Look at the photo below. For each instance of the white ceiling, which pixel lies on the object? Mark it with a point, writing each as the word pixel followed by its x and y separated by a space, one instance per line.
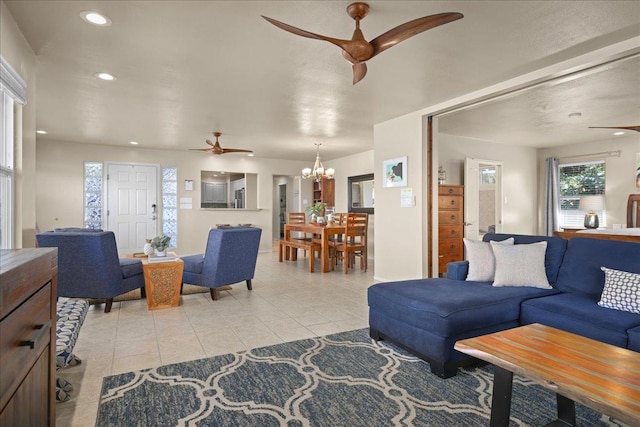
pixel 187 68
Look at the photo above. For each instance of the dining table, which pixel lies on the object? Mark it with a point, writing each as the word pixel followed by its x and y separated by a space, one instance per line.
pixel 323 230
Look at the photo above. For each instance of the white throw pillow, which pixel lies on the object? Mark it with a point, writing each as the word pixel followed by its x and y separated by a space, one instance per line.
pixel 482 263
pixel 621 290
pixel 520 265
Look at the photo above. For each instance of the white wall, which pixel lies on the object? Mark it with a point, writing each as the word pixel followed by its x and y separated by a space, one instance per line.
pixel 620 172
pixel 519 177
pixel 400 232
pixel 17 52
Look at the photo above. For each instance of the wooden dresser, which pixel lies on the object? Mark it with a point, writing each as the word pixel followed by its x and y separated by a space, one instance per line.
pixel 450 225
pixel 28 280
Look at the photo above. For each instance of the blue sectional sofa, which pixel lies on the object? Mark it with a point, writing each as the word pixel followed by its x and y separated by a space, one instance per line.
pixel 428 316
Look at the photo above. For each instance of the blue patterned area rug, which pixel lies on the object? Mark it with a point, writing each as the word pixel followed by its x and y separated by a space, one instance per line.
pixel 343 379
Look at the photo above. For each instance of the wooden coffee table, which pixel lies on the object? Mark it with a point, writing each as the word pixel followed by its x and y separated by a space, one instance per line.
pixel 598 375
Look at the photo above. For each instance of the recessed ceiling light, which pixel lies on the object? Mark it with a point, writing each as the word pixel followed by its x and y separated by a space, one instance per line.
pixel 618 133
pixel 95 18
pixel 41 132
pixel 251 155
pixel 105 76
pixel 575 115
pixel 133 142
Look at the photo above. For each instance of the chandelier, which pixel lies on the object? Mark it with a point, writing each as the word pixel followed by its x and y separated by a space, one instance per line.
pixel 318 170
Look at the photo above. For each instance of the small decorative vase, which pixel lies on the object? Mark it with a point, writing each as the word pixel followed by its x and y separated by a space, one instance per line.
pixel 314 218
pixel 148 249
pixel 161 253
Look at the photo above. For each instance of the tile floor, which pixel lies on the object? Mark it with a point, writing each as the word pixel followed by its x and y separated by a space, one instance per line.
pixel 287 303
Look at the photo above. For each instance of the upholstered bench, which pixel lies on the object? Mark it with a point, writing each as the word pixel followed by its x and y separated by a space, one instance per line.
pixel 71 313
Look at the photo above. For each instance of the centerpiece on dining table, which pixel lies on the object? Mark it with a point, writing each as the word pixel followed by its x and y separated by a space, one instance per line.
pixel 316 213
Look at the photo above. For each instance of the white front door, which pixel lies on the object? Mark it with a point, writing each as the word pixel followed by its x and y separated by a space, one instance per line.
pixel 482 197
pixel 132 204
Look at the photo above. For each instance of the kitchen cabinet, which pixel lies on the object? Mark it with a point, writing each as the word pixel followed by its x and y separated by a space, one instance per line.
pixel 214 192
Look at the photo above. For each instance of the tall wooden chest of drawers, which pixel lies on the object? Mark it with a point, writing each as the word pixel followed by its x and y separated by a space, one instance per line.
pixel 28 280
pixel 450 225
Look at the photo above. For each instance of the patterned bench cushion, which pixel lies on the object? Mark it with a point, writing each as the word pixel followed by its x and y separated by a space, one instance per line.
pixel 70 316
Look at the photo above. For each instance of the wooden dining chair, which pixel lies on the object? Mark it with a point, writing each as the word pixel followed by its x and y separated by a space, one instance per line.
pixel 298 218
pixel 354 242
pixel 338 218
pixel 633 211
pixel 362 220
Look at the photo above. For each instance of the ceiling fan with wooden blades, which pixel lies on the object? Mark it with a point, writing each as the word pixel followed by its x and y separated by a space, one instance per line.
pixel 217 149
pixel 635 128
pixel 358 50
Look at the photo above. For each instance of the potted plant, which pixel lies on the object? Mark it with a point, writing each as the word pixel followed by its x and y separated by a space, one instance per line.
pixel 160 244
pixel 316 211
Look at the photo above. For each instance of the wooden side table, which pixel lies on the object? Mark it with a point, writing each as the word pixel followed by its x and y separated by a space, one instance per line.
pixel 162 281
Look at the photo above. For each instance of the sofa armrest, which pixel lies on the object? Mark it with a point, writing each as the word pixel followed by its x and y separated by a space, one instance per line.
pixel 457 270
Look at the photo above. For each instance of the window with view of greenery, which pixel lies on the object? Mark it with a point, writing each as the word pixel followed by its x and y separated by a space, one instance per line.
pixel 576 180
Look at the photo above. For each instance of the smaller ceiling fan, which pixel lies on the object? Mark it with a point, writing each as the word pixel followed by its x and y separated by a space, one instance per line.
pixel 636 128
pixel 217 149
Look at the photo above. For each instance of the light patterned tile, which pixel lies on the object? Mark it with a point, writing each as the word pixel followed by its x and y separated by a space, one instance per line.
pixel 261 340
pixel 180 356
pixel 295 334
pixel 134 363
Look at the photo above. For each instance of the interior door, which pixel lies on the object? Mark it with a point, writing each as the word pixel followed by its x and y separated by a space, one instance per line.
pixel 132 204
pixel 482 197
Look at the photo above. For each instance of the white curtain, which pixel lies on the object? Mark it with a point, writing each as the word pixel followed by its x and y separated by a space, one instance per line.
pixel 552 197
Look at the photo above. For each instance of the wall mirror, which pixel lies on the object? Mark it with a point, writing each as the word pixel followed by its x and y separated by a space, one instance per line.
pixel 228 190
pixel 361 193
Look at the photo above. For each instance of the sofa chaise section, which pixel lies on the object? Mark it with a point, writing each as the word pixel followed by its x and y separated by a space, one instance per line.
pixel 429 316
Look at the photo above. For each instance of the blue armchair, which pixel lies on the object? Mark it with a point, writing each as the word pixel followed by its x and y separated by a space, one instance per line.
pixel 89 267
pixel 230 257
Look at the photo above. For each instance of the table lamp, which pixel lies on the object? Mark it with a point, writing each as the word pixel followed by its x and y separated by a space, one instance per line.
pixel 591 204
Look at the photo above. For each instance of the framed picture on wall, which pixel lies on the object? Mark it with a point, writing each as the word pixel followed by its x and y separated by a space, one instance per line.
pixel 395 172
